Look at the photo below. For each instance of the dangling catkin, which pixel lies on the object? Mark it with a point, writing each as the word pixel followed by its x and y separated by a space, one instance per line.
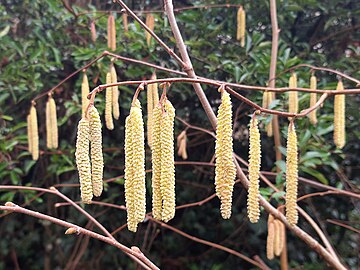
pixel 51 124
pixel 125 22
pixel 254 171
pixel 293 95
pixel 34 133
pixel 241 25
pixel 150 22
pixel 93 31
pixel 111 32
pixel 270 238
pixel 152 101
pixel 115 93
pixel 84 93
pixel 291 175
pixel 97 162
pixel 48 125
pixel 339 118
pixel 135 188
pixel 181 143
pixel 267 99
pixel 313 99
pixel 83 160
pixel 225 170
pixel 29 134
pixel 108 104
pixel 277 237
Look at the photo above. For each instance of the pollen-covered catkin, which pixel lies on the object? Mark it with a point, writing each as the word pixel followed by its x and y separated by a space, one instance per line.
pixel 29 133
pixel 34 133
pixel 291 175
pixel 115 93
pixel 277 237
pixel 270 238
pixel 241 25
pixel 150 22
pixel 111 33
pixel 313 99
pixel 84 93
pixel 51 124
pixel 135 188
pixel 108 104
pixel 48 126
pixel 167 182
pixel 254 171
pixel 225 170
pixel 97 162
pixel 125 22
pixel 83 160
pixel 339 117
pixel 293 95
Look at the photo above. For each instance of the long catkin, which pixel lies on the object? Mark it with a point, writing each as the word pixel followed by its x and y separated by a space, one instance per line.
pixel 108 104
pixel 97 162
pixel 152 101
pixel 254 171
pixel 270 238
pixel 48 126
pixel 34 133
pixel 339 117
pixel 291 175
pixel 51 124
pixel 84 93
pixel 313 99
pixel 293 95
pixel 111 32
pixel 150 22
pixel 83 160
pixel 225 170
pixel 115 93
pixel 277 237
pixel 135 188
pixel 29 133
pixel 241 25
pixel 267 99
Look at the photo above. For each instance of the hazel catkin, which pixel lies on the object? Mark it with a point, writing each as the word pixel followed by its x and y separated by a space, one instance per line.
pixel 115 93
pixel 84 93
pixel 254 171
pixel 150 22
pixel 225 170
pixel 278 237
pixel 241 26
pixel 108 104
pixel 152 101
pixel 111 33
pixel 125 22
pixel 291 175
pixel 270 238
pixel 51 124
pixel 34 133
pixel 29 134
pixel 313 99
pixel 293 95
pixel 181 143
pixel 339 117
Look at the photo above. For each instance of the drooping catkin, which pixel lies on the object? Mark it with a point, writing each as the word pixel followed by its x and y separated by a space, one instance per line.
pixel 29 134
pixel 97 162
pixel 279 237
pixel 150 22
pixel 93 31
pixel 267 100
pixel 291 175
pixel 48 126
pixel 313 99
pixel 181 143
pixel 125 22
pixel 83 160
pixel 135 188
pixel 254 171
pixel 115 93
pixel 111 33
pixel 241 26
pixel 225 170
pixel 108 104
pixel 152 101
pixel 34 133
pixel 293 95
pixel 84 93
pixel 51 124
pixel 339 117
pixel 270 238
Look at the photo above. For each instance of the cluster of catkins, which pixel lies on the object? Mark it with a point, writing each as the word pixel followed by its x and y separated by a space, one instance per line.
pixel 275 238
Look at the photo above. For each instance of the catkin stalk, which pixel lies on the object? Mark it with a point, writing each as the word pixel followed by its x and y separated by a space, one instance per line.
pixel 108 104
pixel 293 95
pixel 225 170
pixel 97 162
pixel 150 22
pixel 34 133
pixel 125 22
pixel 339 117
pixel 270 238
pixel 291 175
pixel 29 133
pixel 254 171
pixel 313 99
pixel 115 93
pixel 111 32
pixel 83 160
pixel 84 93
pixel 135 188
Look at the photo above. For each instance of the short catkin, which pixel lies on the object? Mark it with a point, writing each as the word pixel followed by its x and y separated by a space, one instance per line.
pixel 108 104
pixel 48 125
pixel 111 33
pixel 125 22
pixel 29 133
pixel 93 31
pixel 291 175
pixel 293 95
pixel 135 188
pixel 254 171
pixel 181 143
pixel 339 117
pixel 34 133
pixel 83 160
pixel 225 170
pixel 313 99
pixel 51 124
pixel 97 162
pixel 270 238
pixel 84 93
pixel 115 93
pixel 241 26
pixel 150 22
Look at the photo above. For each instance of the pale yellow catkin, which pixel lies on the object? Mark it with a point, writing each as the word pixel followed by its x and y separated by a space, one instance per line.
pixel 152 101
pixel 115 93
pixel 53 120
pixel 111 33
pixel 293 95
pixel 339 117
pixel 225 170
pixel 97 162
pixel 150 22
pixel 270 238
pixel 29 134
pixel 291 175
pixel 34 133
pixel 313 99
pixel 241 26
pixel 83 160
pixel 254 171
pixel 135 189
pixel 84 93
pixel 181 143
pixel 277 237
pixel 267 100
pixel 125 22
pixel 108 104
pixel 48 125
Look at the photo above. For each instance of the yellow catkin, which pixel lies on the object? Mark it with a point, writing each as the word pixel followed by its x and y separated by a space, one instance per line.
pixel 277 237
pixel 181 142
pixel 125 22
pixel 267 99
pixel 115 93
pixel 53 120
pixel 313 99
pixel 135 188
pixel 48 126
pixel 291 175
pixel 97 162
pixel 83 160
pixel 34 133
pixel 84 93
pixel 241 25
pixel 339 118
pixel 293 95
pixel 108 104
pixel 270 238
pixel 225 170
pixel 111 33
pixel 167 180
pixel 150 22
pixel 29 134
pixel 152 101
pixel 93 31
pixel 254 171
